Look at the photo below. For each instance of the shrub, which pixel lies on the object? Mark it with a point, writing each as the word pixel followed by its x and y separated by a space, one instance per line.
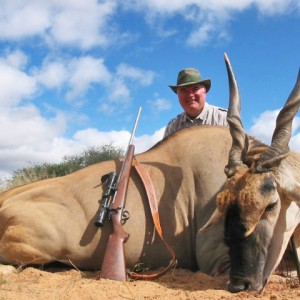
pixel 39 171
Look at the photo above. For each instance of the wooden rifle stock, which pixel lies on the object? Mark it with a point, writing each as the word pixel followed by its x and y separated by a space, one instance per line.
pixel 114 266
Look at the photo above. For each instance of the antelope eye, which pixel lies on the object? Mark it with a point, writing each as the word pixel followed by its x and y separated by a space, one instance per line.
pixel 271 206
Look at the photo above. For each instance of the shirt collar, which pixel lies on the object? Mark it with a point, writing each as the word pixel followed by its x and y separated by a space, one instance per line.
pixel 200 116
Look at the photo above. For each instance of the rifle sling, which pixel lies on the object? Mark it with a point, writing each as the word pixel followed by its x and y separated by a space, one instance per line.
pixel 150 191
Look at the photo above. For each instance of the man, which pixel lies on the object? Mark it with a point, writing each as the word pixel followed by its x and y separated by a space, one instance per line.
pixel 191 91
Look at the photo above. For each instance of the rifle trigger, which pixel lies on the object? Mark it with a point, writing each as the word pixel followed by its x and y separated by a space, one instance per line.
pixel 125 216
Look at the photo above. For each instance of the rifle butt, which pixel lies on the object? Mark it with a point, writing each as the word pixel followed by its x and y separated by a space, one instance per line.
pixel 114 266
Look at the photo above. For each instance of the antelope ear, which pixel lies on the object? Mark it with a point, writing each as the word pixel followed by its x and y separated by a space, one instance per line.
pixel 216 216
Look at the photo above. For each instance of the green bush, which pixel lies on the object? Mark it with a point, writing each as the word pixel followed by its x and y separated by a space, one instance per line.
pixel 72 163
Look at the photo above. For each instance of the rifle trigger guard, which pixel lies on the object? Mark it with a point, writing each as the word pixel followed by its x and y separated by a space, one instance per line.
pixel 125 216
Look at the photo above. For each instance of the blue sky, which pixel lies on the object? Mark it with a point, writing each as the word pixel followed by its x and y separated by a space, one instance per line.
pixel 73 73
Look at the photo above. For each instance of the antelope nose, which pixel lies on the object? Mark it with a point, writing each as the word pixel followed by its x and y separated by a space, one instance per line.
pixel 235 288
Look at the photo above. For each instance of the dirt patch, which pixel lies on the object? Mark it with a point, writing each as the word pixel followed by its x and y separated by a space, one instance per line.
pixel 33 283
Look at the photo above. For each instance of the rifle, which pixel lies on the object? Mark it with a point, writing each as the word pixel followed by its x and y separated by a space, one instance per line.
pixel 113 266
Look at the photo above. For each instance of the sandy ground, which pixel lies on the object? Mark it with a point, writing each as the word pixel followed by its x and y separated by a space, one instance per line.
pixel 32 283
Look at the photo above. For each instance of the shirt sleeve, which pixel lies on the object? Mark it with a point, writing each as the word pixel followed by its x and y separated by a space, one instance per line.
pixel 169 129
pixel 173 125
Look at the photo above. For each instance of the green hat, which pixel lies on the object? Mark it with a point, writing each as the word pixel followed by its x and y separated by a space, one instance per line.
pixel 188 77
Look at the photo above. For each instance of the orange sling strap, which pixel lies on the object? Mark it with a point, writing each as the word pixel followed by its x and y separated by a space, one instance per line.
pixel 150 191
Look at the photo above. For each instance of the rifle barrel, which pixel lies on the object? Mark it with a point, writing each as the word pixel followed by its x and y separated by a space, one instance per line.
pixel 135 125
pixel 130 141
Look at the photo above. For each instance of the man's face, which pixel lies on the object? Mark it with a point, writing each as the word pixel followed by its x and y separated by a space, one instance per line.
pixel 192 98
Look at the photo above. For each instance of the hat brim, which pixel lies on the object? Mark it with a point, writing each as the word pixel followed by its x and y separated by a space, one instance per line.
pixel 205 82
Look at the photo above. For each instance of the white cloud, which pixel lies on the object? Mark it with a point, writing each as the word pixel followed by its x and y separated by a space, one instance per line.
pixel 265 124
pixel 74 76
pixel 93 137
pixel 295 143
pixel 80 23
pixel 144 77
pixel 81 73
pixel 53 148
pixel 25 125
pixel 51 75
pixel 16 59
pixel 39 140
pixel 175 6
pixel 118 86
pixel 16 85
pixel 160 104
pixel 27 137
pixel 201 35
pixel 14 13
pixel 84 72
pixel 209 20
pixel 118 91
pixel 145 142
pixel 273 7
pixel 86 24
